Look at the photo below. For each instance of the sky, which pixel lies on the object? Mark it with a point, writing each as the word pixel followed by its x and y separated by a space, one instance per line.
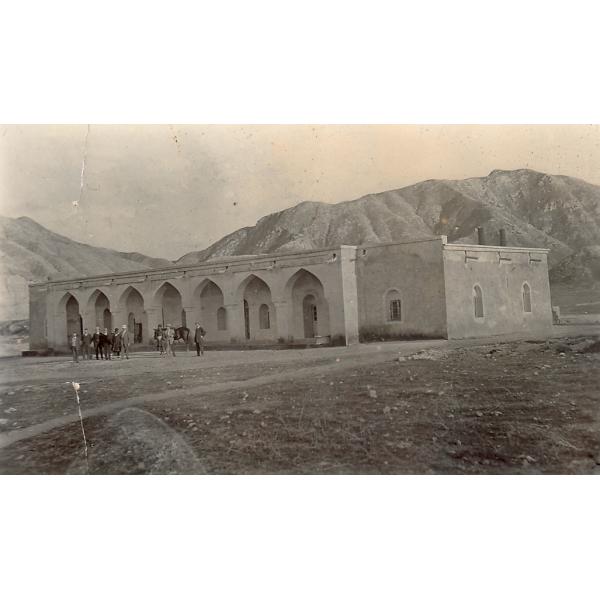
pixel 165 190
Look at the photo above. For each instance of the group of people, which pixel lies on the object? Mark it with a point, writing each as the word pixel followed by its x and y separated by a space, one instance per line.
pixel 105 343
pixel 166 336
pixel 165 339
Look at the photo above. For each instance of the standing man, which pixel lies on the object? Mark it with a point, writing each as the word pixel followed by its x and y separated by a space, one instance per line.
pixel 97 341
pixel 199 339
pixel 125 342
pixel 86 340
pixel 117 342
pixel 74 347
pixel 171 339
pixel 108 343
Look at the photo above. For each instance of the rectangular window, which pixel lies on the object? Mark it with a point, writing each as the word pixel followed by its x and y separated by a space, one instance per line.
pixel 395 310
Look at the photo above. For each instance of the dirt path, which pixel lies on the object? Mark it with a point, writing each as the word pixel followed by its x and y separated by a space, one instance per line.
pixel 348 362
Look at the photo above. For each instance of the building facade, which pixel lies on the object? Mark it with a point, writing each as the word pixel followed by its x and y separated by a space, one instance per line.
pixel 421 288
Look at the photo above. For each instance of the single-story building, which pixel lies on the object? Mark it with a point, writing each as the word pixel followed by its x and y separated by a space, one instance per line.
pixel 341 295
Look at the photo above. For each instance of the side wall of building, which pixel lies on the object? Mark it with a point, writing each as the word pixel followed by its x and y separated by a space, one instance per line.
pixel 411 273
pixel 500 274
pixel 38 319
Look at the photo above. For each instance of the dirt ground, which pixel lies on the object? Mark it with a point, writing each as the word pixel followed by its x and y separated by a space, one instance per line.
pixel 397 407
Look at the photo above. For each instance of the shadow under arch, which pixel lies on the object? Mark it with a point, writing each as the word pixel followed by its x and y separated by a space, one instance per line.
pixel 254 295
pixel 131 303
pixel 310 309
pixel 209 310
pixel 170 301
pixel 99 303
pixel 68 308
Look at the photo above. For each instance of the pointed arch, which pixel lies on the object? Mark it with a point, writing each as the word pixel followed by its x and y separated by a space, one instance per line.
pixel 478 302
pixel 170 300
pixel 132 306
pixel 69 315
pixel 205 284
pixel 251 279
pixel 207 300
pixel 98 304
pixel 310 309
pixel 301 273
pixel 122 302
pixel 256 302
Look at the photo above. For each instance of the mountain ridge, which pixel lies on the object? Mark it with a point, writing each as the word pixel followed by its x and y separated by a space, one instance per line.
pixel 501 200
pixel 29 252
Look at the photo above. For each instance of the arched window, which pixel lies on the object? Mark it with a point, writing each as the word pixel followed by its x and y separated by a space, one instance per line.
pixel 478 302
pixel 526 298
pixel 222 319
pixel 263 317
pixel 393 306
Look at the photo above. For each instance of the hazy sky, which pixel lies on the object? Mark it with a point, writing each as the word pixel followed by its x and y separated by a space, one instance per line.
pixel 166 190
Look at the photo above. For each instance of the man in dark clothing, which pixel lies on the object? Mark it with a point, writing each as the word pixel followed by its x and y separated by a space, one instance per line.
pixel 117 342
pixel 98 343
pixel 86 340
pixel 199 339
pixel 109 338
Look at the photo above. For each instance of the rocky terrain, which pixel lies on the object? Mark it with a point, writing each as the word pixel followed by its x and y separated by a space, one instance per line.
pixel 536 210
pixel 426 407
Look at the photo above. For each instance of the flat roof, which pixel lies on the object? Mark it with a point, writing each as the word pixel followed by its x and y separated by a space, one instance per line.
pixel 253 258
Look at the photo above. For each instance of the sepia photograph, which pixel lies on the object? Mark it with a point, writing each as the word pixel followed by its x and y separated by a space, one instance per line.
pixel 309 299
pixel 299 300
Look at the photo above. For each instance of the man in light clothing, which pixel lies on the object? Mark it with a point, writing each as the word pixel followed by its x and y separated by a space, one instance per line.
pixel 125 342
pixel 75 347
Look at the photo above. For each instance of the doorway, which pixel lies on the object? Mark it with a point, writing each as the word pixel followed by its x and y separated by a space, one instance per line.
pixel 247 319
pixel 311 317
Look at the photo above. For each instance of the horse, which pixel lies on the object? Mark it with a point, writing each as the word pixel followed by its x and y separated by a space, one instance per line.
pixel 183 334
pixel 180 333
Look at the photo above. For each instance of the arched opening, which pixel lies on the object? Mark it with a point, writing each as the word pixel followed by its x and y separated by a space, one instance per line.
pixel 264 320
pixel 132 303
pixel 222 319
pixel 393 306
pixel 526 298
pixel 74 322
pixel 169 299
pixel 208 301
pixel 310 310
pixel 310 313
pixel 246 319
pixel 478 302
pixel 256 294
pixel 99 306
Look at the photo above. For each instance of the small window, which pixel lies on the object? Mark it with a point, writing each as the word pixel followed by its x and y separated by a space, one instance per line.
pixel 526 298
pixel 222 319
pixel 478 302
pixel 395 310
pixel 263 317
pixel 393 306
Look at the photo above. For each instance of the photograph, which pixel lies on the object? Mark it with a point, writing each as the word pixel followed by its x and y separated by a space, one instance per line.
pixel 300 299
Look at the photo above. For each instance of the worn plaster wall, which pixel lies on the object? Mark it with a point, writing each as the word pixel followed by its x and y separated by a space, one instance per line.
pixel 415 270
pixel 500 272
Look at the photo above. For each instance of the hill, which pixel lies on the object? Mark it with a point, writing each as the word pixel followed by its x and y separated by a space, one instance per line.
pixel 536 210
pixel 30 252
